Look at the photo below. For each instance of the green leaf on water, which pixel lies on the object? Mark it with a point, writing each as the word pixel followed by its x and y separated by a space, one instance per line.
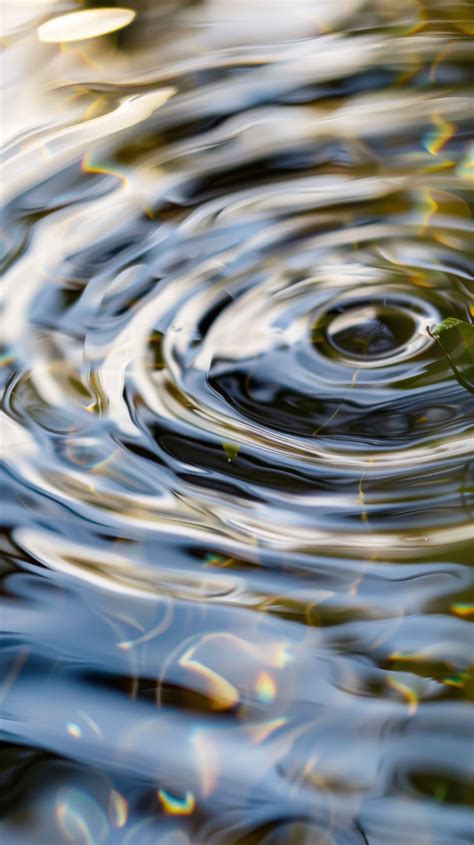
pixel 456 340
pixel 466 330
pixel 231 450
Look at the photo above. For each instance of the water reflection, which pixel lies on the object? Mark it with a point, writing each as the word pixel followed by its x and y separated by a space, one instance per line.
pixel 237 486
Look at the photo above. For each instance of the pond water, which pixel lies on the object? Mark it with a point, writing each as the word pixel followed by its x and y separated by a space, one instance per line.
pixel 237 476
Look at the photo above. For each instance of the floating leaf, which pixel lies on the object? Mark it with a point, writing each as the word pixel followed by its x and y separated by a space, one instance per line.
pixel 456 339
pixel 231 450
pixel 466 330
pixel 90 23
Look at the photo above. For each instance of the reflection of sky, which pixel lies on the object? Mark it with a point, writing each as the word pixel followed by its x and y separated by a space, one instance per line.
pixel 236 588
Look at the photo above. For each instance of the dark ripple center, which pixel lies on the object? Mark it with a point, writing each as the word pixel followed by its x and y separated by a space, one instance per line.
pixel 371 331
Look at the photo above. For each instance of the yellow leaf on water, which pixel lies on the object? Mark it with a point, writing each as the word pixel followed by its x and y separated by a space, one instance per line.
pixel 90 23
pixel 231 450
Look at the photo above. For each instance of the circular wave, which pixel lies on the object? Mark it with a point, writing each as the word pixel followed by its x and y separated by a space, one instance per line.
pixel 237 458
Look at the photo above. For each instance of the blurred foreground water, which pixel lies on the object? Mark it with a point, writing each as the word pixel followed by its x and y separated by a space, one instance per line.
pixel 237 488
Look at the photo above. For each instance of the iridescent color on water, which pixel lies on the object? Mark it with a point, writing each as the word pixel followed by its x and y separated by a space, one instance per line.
pixel 237 478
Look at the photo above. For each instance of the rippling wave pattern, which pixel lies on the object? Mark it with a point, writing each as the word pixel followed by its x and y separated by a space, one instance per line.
pixel 237 478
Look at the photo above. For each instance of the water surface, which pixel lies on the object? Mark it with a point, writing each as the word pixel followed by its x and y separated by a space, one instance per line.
pixel 237 484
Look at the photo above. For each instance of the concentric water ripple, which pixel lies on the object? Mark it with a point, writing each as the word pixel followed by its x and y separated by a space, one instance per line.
pixel 238 480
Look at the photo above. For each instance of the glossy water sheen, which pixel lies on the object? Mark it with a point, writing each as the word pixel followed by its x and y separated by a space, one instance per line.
pixel 235 604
